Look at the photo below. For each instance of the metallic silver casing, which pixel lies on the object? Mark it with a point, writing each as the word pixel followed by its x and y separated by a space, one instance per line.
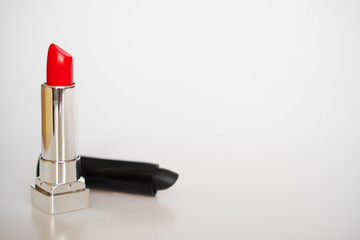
pixel 58 188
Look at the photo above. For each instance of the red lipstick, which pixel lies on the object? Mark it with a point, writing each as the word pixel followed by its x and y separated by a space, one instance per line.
pixel 59 187
pixel 59 67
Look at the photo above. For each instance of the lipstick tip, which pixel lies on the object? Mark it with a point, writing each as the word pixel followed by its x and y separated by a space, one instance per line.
pixel 55 47
pixel 59 67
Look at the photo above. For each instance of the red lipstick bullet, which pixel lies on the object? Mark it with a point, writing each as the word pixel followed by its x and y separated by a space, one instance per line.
pixel 59 67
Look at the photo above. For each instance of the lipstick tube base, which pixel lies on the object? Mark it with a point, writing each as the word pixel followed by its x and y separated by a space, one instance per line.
pixel 58 188
pixel 59 203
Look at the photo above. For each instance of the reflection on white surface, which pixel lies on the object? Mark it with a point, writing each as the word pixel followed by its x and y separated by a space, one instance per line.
pixel 128 208
pixel 59 227
pixel 116 210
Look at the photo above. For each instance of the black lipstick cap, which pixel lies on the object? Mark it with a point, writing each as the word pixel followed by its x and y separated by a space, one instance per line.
pixel 125 176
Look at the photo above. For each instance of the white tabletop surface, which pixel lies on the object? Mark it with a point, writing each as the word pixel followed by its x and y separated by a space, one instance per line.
pixel 256 104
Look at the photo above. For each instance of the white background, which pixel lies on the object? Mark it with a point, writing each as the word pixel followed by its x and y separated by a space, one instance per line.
pixel 254 103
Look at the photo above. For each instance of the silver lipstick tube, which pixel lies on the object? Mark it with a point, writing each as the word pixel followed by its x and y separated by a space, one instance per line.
pixel 58 123
pixel 58 188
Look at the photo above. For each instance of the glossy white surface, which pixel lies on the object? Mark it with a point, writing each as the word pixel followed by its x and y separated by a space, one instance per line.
pixel 255 104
